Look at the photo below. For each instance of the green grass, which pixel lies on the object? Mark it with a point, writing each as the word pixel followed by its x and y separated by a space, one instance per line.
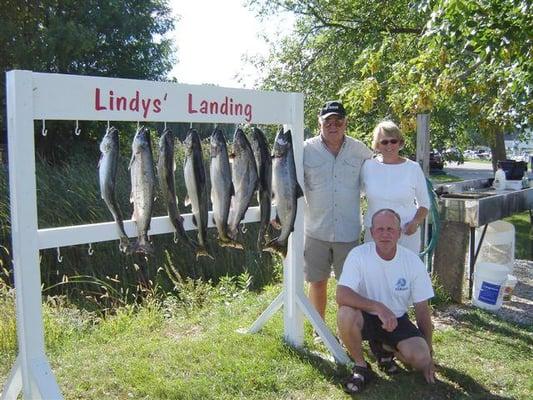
pixel 523 235
pixel 174 350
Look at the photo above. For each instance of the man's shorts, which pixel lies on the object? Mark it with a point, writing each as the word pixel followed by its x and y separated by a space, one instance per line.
pixel 321 256
pixel 372 330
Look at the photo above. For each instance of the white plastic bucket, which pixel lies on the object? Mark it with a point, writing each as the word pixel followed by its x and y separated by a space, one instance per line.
pixel 489 282
pixel 508 288
pixel 498 245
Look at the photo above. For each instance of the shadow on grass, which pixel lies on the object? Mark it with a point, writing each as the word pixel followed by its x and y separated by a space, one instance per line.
pixel 476 321
pixel 450 384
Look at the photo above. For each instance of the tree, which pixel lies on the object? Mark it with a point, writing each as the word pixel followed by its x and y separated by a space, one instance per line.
pixel 94 37
pixel 466 62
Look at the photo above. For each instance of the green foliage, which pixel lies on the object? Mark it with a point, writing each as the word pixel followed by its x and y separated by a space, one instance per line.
pixel 468 63
pixel 125 39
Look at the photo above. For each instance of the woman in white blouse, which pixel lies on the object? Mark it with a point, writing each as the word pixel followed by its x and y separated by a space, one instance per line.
pixel 395 182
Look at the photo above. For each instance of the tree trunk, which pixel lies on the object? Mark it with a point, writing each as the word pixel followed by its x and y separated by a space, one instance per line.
pixel 497 148
pixel 449 261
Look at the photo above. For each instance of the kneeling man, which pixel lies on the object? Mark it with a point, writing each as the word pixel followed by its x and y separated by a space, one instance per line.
pixel 379 281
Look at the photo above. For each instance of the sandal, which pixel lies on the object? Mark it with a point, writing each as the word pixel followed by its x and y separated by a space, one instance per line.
pixel 384 358
pixel 358 380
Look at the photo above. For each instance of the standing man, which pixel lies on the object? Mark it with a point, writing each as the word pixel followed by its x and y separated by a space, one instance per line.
pixel 332 165
pixel 380 281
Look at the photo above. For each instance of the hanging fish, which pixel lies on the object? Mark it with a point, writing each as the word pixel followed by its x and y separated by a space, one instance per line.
pixel 285 190
pixel 107 171
pixel 263 162
pixel 166 166
pixel 195 181
pixel 142 188
pixel 221 188
pixel 244 177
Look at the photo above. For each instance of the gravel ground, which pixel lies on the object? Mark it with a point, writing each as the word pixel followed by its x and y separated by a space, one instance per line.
pixel 519 309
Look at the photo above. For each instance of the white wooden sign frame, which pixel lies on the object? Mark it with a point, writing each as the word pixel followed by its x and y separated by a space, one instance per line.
pixel 40 96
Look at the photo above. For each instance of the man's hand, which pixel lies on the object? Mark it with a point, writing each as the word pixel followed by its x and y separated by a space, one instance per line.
pixel 387 317
pixel 429 372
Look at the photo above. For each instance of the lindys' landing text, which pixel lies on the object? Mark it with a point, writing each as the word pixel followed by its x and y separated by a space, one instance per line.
pixel 114 102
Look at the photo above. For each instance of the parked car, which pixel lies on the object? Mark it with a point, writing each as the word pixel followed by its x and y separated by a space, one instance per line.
pixel 454 155
pixel 469 153
pixel 484 154
pixel 436 161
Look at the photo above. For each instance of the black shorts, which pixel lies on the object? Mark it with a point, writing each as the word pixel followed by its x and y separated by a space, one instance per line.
pixel 372 330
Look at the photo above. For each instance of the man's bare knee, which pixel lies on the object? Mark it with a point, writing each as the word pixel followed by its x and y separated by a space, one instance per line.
pixel 347 317
pixel 415 352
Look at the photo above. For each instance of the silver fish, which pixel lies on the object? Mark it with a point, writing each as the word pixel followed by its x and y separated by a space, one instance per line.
pixel 107 171
pixel 263 162
pixel 142 188
pixel 244 177
pixel 285 190
pixel 166 166
pixel 195 181
pixel 221 188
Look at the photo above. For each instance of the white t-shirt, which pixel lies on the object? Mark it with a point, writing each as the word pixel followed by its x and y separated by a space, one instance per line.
pixel 401 187
pixel 397 283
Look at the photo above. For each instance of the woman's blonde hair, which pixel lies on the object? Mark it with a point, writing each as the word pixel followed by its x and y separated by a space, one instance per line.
pixel 388 129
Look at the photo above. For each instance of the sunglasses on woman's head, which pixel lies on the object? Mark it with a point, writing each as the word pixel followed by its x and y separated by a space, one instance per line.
pixel 385 142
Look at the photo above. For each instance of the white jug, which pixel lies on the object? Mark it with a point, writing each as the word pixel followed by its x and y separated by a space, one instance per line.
pixel 499 179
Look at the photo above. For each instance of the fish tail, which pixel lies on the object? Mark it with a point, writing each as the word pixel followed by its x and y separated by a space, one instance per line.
pixel 143 245
pixel 125 245
pixel 201 251
pixel 228 242
pixel 274 246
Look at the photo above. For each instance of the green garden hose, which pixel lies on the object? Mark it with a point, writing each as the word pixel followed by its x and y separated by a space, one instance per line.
pixel 434 220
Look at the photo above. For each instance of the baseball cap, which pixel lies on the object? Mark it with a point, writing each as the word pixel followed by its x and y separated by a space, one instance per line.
pixel 331 108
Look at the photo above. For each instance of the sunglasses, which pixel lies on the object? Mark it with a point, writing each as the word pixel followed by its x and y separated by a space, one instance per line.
pixel 385 142
pixel 333 121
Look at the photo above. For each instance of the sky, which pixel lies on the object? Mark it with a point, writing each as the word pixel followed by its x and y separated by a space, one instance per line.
pixel 211 36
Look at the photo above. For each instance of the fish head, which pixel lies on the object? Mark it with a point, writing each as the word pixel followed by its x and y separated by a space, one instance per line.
pixel 255 138
pixel 192 141
pixel 110 140
pixel 240 142
pixel 282 144
pixel 218 142
pixel 141 141
pixel 166 140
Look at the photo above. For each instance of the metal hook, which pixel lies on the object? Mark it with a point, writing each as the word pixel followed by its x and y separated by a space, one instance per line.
pixel 176 237
pixel 165 125
pixel 243 228
pixel 90 251
pixel 190 127
pixel 138 125
pixel 59 256
pixel 108 125
pixel 44 131
pixel 77 131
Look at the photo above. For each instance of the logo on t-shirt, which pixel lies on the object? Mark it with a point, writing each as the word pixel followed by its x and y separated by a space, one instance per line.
pixel 401 284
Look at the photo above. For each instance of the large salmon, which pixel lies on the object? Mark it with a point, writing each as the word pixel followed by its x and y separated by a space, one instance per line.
pixel 197 197
pixel 166 166
pixel 263 162
pixel 285 190
pixel 244 177
pixel 142 188
pixel 107 171
pixel 221 188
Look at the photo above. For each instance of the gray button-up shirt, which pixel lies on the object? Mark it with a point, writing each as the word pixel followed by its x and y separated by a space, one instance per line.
pixel 331 190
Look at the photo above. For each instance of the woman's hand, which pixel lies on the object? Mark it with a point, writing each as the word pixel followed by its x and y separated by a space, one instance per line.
pixel 410 227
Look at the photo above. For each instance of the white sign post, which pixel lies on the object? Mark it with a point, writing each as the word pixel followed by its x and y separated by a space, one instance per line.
pixel 39 96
